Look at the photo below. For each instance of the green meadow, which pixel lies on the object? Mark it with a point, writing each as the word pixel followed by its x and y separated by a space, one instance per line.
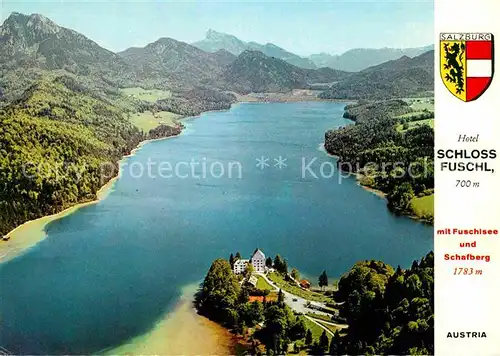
pixel 423 206
pixel 149 95
pixel 147 120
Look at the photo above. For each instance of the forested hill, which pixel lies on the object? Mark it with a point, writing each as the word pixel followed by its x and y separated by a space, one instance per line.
pixel 59 144
pixel 399 78
pixel 253 71
pixel 170 64
pixel 366 110
pixel 32 45
pixel 398 162
pixel 389 312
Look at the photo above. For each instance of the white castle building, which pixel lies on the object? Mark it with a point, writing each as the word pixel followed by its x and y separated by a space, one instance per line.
pixel 240 266
pixel 258 262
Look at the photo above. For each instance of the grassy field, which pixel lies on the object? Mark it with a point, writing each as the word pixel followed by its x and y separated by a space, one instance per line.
pixel 411 114
pixel 316 330
pixel 320 316
pixel 423 206
pixel 294 289
pixel 429 122
pixel 262 284
pixel 422 104
pixel 414 124
pixel 147 120
pixel 150 95
pixel 330 327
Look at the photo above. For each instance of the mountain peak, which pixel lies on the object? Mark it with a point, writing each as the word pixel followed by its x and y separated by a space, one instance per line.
pixel 42 24
pixel 15 17
pixel 250 53
pixel 20 25
pixel 215 35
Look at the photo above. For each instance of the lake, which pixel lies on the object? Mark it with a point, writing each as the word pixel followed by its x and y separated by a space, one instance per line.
pixel 253 176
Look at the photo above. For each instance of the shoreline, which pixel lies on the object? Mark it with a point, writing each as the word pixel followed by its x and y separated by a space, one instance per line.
pixel 173 333
pixel 301 95
pixel 377 192
pixel 30 233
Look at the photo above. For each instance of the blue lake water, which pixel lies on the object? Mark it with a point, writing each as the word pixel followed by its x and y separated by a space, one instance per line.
pixel 109 271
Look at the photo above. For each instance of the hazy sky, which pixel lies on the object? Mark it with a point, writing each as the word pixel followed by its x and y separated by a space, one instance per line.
pixel 304 27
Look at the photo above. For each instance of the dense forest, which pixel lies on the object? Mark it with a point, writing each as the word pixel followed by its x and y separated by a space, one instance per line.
pixel 195 101
pixel 387 311
pixel 59 144
pixel 366 110
pixel 60 141
pixel 398 162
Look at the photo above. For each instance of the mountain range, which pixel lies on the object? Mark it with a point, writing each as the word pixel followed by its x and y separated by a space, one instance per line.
pixel 215 41
pixel 351 61
pixel 398 78
pixel 33 46
pixel 171 64
pixel 253 71
pixel 358 59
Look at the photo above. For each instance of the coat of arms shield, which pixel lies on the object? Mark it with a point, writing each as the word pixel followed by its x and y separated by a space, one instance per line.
pixel 466 63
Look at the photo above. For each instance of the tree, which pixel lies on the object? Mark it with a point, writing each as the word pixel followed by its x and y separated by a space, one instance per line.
pixel 295 274
pixel 277 326
pixel 248 270
pixel 284 268
pixel 323 280
pixel 237 256
pixel 281 297
pixel 399 199
pixel 243 296
pixel 335 344
pixel 323 341
pixel 269 262
pixel 309 337
pixel 231 260
pixel 298 329
pixel 251 313
pixel 219 292
pixel 278 263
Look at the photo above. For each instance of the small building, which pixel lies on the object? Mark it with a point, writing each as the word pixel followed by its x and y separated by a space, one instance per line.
pixel 305 284
pixel 240 266
pixel 258 261
pixel 253 280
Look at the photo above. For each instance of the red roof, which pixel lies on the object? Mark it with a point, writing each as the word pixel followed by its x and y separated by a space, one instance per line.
pixel 305 282
pixel 257 298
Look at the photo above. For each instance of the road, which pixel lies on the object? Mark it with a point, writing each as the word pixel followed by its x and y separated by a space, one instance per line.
pixel 298 304
pixel 295 302
pixel 328 331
